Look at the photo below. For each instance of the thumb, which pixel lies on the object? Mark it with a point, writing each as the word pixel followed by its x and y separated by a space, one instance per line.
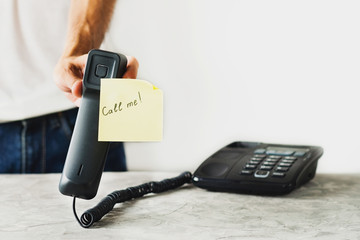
pixel 78 70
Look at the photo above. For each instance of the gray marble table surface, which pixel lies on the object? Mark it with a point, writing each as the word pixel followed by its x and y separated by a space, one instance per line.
pixel 328 207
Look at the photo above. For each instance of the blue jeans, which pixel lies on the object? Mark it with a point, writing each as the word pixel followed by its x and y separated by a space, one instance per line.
pixel 39 145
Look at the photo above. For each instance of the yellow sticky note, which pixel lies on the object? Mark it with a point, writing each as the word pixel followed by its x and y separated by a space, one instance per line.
pixel 130 110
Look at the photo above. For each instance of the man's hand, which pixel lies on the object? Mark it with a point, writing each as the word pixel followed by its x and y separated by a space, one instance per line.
pixel 69 72
pixel 68 75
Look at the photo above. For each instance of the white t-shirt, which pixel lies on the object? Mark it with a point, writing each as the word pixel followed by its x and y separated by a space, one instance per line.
pixel 32 37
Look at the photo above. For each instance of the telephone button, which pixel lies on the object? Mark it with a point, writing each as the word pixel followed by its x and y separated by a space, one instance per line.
pixel 280 152
pixel 266 167
pixel 287 161
pixel 299 153
pixel 261 174
pixel 271 160
pixel 284 164
pixel 279 174
pixel 253 162
pixel 260 151
pixel 269 163
pixel 250 166
pixel 282 169
pixel 101 70
pixel 246 172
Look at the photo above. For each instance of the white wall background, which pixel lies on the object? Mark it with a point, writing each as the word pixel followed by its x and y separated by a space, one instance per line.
pixel 271 71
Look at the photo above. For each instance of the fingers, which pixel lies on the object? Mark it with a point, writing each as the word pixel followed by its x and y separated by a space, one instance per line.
pixel 76 88
pixel 68 76
pixel 76 75
pixel 69 73
pixel 132 67
pixel 72 98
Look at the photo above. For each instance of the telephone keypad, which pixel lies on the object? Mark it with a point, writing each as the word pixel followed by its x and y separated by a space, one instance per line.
pixel 271 162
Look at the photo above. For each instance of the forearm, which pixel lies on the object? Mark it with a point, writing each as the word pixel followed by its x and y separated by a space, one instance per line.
pixel 88 22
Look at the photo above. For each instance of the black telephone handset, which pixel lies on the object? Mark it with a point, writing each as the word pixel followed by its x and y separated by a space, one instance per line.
pixel 258 168
pixel 86 156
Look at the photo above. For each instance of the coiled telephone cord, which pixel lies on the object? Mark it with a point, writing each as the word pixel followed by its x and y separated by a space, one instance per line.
pixel 89 217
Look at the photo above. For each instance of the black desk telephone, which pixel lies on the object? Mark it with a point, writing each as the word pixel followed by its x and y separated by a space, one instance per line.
pixel 258 168
pixel 245 167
